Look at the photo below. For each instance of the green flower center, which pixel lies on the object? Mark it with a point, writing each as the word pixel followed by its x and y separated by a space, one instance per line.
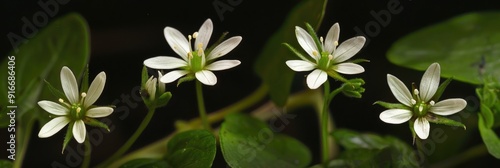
pixel 196 59
pixel 76 110
pixel 420 107
pixel 325 61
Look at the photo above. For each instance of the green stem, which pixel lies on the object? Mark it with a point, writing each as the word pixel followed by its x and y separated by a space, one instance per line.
pixel 87 153
pixel 201 105
pixel 324 123
pixel 24 138
pixel 131 140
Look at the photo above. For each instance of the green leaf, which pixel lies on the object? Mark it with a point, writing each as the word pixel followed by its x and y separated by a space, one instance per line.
pixel 489 137
pixel 371 150
pixel 392 105
pixel 248 142
pixel 140 163
pixel 437 119
pixel 64 42
pixel 194 149
pixel 465 46
pixel 270 65
pixel 5 164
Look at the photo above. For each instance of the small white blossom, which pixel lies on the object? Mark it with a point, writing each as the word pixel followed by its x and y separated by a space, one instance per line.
pixel 420 102
pixel 76 108
pixel 194 62
pixel 328 58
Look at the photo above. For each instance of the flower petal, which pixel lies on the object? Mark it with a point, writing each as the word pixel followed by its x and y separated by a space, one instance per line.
pixel 306 41
pixel 177 41
pixel 331 38
pixel 222 65
pixel 164 62
pixel 53 126
pixel 349 68
pixel 173 75
pixel 151 86
pixel 53 108
pixel 204 34
pixel 79 131
pixel 348 48
pixel 395 116
pixel 399 90
pixel 430 82
pixel 224 48
pixel 161 86
pixel 300 65
pixel 316 78
pixel 422 127
pixel 98 112
pixel 69 85
pixel 206 77
pixel 95 89
pixel 448 106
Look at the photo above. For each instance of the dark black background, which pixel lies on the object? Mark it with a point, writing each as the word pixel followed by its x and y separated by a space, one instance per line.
pixel 125 33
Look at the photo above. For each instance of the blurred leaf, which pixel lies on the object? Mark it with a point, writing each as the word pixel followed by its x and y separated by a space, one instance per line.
pixel 140 163
pixel 489 137
pixel 371 150
pixel 5 164
pixel 465 46
pixel 270 65
pixel 64 42
pixel 248 142
pixel 194 149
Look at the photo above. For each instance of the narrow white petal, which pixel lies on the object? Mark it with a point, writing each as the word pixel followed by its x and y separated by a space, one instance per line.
pixel 161 86
pixel 448 106
pixel 95 89
pixel 53 108
pixel 98 112
pixel 224 48
pixel 348 48
pixel 173 75
pixel 306 42
pixel 206 77
pixel 151 86
pixel 177 41
pixel 79 131
pixel 69 85
pixel 332 37
pixel 430 82
pixel 53 126
pixel 222 65
pixel 349 68
pixel 204 34
pixel 395 116
pixel 422 127
pixel 316 78
pixel 164 62
pixel 300 65
pixel 399 90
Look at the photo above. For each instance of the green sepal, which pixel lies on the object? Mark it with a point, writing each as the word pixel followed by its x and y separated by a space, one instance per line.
pixel 163 99
pixel 312 32
pixel 146 97
pixel 144 77
pixel 353 88
pixel 392 105
pixel 95 123
pixel 185 79
pixel 85 80
pixel 68 136
pixel 359 60
pixel 436 119
pixel 489 118
pixel 296 52
pixel 220 40
pixel 412 130
pixel 332 73
pixel 56 92
pixel 441 89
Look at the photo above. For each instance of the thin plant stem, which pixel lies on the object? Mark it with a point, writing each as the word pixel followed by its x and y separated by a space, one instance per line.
pixel 324 123
pixel 87 153
pixel 24 136
pixel 131 140
pixel 201 105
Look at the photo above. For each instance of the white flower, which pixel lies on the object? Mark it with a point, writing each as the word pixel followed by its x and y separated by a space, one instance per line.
pixel 420 102
pixel 76 109
pixel 194 62
pixel 151 86
pixel 328 58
